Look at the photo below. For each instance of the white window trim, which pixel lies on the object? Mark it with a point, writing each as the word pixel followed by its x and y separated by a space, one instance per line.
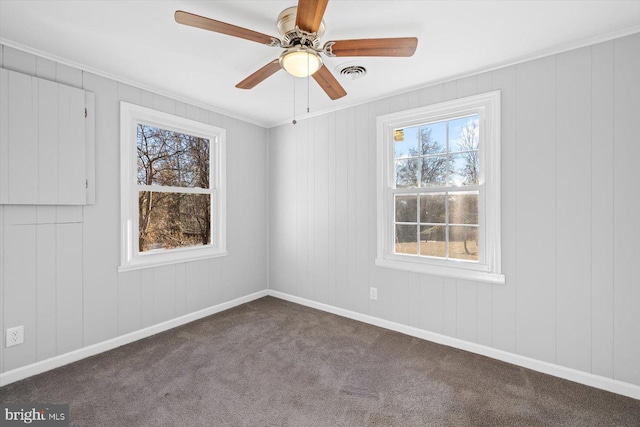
pixel 487 106
pixel 130 258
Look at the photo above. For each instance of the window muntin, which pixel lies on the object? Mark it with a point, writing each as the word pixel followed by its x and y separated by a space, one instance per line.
pixel 173 188
pixel 439 189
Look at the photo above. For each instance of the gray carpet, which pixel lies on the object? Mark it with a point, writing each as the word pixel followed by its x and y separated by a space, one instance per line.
pixel 270 362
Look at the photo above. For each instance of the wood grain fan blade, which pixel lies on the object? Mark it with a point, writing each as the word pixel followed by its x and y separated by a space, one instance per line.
pixel 328 83
pixel 404 46
pixel 259 75
pixel 309 14
pixel 198 21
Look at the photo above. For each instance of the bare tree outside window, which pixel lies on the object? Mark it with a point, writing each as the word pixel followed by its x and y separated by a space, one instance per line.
pixel 425 165
pixel 168 162
pixel 467 163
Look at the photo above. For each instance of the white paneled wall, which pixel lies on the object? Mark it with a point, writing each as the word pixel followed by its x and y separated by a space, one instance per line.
pixel 626 211
pixel 570 209
pixel 58 274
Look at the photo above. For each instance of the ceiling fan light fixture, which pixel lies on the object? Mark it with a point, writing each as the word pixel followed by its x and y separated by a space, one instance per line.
pixel 300 61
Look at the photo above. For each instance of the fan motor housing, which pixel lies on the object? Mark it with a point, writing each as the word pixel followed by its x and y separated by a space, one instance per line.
pixel 292 35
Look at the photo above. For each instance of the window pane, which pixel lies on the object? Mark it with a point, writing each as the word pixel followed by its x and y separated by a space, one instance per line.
pixel 173 220
pixel 463 208
pixel 406 239
pixel 406 142
pixel 406 209
pixel 432 208
pixel 171 158
pixel 434 171
pixel 433 138
pixel 407 173
pixel 464 134
pixel 465 168
pixel 433 240
pixel 463 243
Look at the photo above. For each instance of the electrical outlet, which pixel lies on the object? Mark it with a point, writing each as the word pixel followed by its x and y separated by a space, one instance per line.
pixel 373 293
pixel 15 336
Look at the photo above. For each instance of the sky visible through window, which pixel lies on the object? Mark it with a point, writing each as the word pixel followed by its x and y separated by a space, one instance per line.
pixel 425 150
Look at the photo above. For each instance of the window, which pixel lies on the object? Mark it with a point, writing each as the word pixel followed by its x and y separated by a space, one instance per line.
pixel 439 189
pixel 172 188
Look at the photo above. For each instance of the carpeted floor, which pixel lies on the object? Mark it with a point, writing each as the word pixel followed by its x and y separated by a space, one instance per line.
pixel 272 363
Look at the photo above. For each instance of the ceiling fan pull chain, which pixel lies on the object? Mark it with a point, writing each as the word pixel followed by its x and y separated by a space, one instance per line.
pixel 294 101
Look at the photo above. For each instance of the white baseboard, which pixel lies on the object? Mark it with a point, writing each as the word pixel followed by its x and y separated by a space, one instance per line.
pixel 84 352
pixel 597 381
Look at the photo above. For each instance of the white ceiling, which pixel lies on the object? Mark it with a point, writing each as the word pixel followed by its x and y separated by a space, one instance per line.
pixel 138 42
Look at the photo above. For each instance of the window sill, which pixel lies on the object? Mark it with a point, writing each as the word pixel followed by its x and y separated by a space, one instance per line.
pixel 153 260
pixel 446 271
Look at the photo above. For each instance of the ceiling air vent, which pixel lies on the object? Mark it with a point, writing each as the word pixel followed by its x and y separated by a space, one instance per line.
pixel 351 71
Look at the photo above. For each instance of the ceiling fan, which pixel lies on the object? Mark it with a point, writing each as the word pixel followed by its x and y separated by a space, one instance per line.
pixel 301 28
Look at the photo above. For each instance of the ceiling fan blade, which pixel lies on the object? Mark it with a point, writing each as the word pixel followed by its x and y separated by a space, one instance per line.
pixel 328 83
pixel 198 21
pixel 259 75
pixel 309 14
pixel 403 46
